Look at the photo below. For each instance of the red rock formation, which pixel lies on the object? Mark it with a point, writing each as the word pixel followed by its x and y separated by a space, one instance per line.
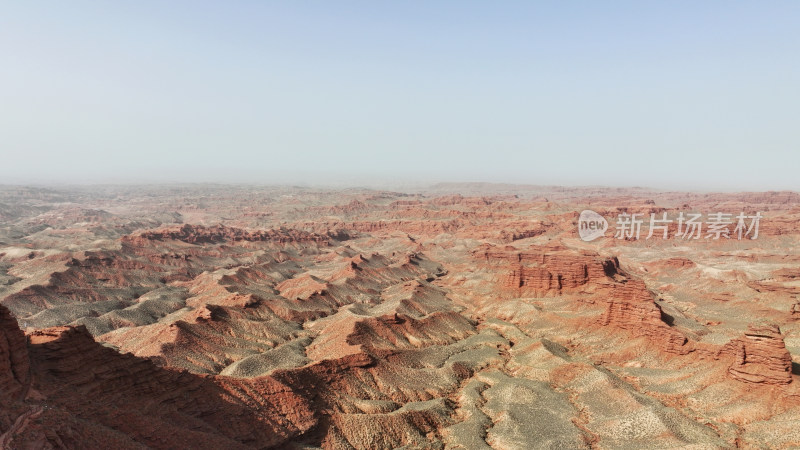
pixel 547 271
pixel 301 287
pixel 795 311
pixel 403 331
pixel 676 263
pixel 198 234
pixel 14 364
pixel 385 350
pixel 523 231
pixel 417 227
pixel 786 274
pixel 760 356
pixel 458 199
pixel 631 308
pixel 125 395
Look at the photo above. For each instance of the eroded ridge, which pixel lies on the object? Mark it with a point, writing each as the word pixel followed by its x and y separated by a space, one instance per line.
pixel 294 318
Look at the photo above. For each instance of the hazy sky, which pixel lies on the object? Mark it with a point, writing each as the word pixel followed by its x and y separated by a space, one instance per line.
pixel 671 94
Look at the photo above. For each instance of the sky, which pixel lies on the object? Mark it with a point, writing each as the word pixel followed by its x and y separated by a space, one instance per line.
pixel 669 95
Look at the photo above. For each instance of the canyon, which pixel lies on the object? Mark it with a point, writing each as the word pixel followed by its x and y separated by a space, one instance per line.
pixel 456 316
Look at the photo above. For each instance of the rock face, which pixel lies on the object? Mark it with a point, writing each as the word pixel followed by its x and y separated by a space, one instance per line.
pixel 14 364
pixel 760 356
pixel 631 308
pixel 555 270
pixel 547 271
pixel 795 311
pixel 198 234
pixel 122 395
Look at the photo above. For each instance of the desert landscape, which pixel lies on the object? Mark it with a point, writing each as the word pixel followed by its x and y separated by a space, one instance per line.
pixel 406 225
pixel 457 316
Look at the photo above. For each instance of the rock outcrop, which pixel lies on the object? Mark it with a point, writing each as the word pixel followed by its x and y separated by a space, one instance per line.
pixel 120 394
pixel 760 356
pixel 794 312
pixel 14 364
pixel 548 270
pixel 198 234
pixel 631 308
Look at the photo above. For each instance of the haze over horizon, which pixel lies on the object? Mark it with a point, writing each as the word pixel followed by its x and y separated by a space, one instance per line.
pixel 677 95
